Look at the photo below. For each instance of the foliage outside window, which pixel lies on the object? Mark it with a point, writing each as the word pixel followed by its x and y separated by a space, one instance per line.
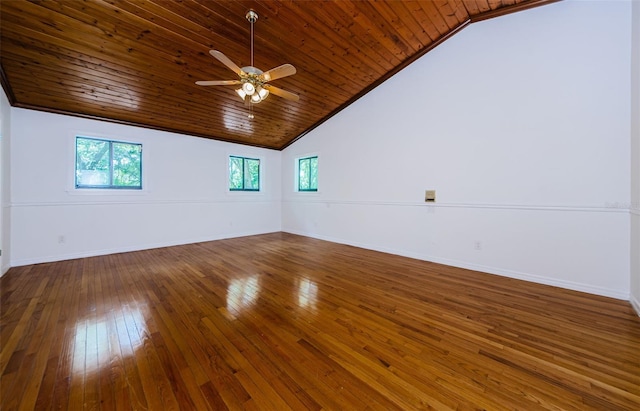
pixel 108 164
pixel 244 174
pixel 308 174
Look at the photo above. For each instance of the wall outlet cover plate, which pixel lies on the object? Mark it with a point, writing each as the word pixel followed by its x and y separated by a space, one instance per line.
pixel 430 196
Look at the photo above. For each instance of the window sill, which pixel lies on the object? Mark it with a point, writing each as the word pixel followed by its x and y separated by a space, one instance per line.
pixel 245 192
pixel 106 192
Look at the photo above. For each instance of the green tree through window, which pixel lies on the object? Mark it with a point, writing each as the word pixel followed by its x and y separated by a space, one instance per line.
pixel 308 174
pixel 108 164
pixel 244 174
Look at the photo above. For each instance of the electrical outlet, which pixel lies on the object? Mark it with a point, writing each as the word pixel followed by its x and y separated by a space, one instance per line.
pixel 477 245
pixel 61 239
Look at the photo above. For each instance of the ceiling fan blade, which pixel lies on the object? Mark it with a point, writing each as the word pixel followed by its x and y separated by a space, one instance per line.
pixel 226 61
pixel 278 72
pixel 218 82
pixel 281 93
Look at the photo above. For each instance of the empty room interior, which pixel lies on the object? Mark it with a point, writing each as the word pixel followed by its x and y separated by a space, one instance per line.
pixel 320 205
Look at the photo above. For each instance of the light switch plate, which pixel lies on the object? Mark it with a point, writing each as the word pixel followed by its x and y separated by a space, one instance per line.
pixel 430 196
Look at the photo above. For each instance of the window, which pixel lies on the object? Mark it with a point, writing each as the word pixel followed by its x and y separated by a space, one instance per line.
pixel 308 174
pixel 244 174
pixel 108 164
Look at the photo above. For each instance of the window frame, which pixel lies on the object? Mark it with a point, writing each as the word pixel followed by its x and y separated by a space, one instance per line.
pixel 298 168
pixel 111 186
pixel 243 189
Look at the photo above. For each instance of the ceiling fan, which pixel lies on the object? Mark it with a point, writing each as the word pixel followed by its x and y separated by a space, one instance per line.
pixel 253 82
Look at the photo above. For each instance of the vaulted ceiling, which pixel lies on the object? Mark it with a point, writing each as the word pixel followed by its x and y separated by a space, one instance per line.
pixel 136 62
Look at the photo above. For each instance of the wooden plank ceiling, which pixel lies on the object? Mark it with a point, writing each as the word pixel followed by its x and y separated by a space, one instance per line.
pixel 136 62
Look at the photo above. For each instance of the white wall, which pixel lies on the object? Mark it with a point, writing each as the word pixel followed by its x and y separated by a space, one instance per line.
pixel 5 182
pixel 185 197
pixel 520 123
pixel 635 160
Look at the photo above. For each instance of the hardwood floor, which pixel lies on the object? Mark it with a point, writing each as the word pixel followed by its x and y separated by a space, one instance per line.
pixel 279 321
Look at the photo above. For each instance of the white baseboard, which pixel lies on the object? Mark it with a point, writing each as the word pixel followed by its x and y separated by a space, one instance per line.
pixel 587 288
pixel 116 250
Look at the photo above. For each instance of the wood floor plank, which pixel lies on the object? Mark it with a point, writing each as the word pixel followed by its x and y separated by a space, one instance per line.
pixel 134 392
pixel 41 346
pixel 280 321
pixel 18 334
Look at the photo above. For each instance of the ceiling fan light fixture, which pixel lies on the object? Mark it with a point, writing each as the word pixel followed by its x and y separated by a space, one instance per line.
pixel 263 92
pixel 241 93
pixel 255 98
pixel 248 88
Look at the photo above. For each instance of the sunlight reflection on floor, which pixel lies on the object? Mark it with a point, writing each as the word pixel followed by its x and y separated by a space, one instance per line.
pixel 242 293
pixel 117 333
pixel 307 293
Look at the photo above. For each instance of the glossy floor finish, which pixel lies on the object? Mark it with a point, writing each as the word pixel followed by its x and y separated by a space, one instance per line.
pixel 278 321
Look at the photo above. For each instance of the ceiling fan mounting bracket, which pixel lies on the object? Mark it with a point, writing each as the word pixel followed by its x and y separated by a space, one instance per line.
pixel 252 16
